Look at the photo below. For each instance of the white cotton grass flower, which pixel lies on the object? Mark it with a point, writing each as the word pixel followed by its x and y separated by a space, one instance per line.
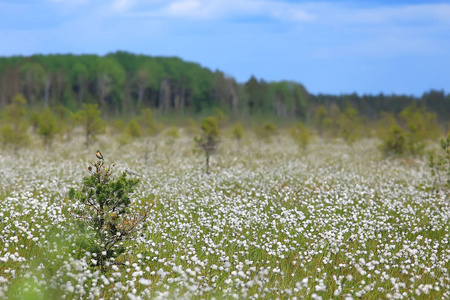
pixel 245 233
pixel 144 281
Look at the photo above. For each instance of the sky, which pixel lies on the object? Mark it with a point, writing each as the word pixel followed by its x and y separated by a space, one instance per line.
pixel 331 47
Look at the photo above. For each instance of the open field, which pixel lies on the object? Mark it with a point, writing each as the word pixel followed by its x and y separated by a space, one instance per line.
pixel 268 222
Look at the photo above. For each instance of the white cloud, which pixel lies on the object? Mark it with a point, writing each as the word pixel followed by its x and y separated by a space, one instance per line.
pixel 351 13
pixel 70 2
pixel 122 5
pixel 222 9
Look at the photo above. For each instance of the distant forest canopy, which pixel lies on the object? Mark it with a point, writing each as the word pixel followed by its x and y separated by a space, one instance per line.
pixel 124 83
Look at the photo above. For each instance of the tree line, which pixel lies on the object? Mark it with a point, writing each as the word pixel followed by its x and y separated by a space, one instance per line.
pixel 124 83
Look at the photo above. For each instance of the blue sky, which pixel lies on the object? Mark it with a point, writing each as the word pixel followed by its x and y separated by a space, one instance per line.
pixel 336 47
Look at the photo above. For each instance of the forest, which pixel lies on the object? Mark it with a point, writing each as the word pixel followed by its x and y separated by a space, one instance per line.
pixel 122 84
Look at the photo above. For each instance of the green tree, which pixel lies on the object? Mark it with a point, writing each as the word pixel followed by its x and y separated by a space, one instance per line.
pixel 257 95
pixel 131 132
pixel 92 124
pixel 394 142
pixel 209 139
pixel 420 127
pixel 237 131
pixel 266 131
pixel 300 135
pixel 150 129
pixel 321 119
pixel 134 129
pixel 14 128
pixel 32 75
pixel 439 162
pixel 34 120
pixel 103 213
pixel 172 134
pixel 47 127
pixel 350 125
pixel 80 77
pixel 110 82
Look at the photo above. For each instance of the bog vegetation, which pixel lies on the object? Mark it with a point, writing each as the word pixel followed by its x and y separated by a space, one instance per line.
pixel 287 217
pixel 211 189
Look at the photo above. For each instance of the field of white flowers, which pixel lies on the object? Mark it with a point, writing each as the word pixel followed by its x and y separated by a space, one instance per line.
pixel 268 222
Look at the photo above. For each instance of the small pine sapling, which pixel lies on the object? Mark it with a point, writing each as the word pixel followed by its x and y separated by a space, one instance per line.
pixel 439 162
pixel 300 135
pixel 93 125
pixel 14 128
pixel 394 143
pixel 104 211
pixel 238 131
pixel 47 127
pixel 150 129
pixel 209 139
pixel 266 131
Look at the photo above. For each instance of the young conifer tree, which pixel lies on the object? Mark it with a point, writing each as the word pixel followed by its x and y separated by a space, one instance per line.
pixel 14 129
pixel 104 211
pixel 47 127
pixel 92 123
pixel 209 139
pixel 300 135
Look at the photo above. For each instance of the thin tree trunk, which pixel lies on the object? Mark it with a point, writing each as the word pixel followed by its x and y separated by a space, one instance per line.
pixel 47 84
pixel 80 95
pixel 140 97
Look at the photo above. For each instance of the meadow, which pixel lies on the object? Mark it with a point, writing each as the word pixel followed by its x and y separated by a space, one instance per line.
pixel 270 221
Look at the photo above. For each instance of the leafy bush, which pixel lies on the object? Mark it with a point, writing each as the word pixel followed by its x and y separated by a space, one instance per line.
pixel 103 209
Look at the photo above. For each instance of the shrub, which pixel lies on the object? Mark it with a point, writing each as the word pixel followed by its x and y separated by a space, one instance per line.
pixel 320 118
pixel 266 131
pixel 150 129
pixel 439 162
pixel 93 125
pixel 47 127
pixel 172 134
pixel 238 131
pixel 103 211
pixel 421 126
pixel 300 135
pixel 209 140
pixel 134 129
pixel 395 141
pixel 14 130
pixel 350 125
